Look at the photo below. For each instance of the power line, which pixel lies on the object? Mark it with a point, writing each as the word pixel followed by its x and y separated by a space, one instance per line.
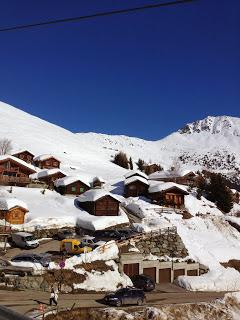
pixel 95 15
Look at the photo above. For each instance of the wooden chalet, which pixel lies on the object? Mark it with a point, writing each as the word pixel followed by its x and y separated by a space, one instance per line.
pixel 189 178
pixel 168 194
pixel 135 186
pixel 99 202
pixel 46 161
pixel 48 176
pixel 24 155
pixel 72 185
pixel 14 172
pixel 12 210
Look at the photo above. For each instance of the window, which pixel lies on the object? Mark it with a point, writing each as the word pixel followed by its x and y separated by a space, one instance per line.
pixel 73 189
pixel 132 187
pixel 55 163
pixel 47 163
pixel 21 156
pixel 81 189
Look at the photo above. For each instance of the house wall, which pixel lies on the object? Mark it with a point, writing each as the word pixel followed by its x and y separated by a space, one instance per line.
pixel 13 173
pixel 135 189
pixel 14 216
pixel 75 188
pixel 25 156
pixel 173 199
pixel 50 163
pixel 106 206
pixel 88 206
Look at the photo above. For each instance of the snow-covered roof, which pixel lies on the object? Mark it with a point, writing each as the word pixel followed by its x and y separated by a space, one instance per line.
pixel 43 157
pixel 21 162
pixel 45 173
pixel 9 203
pixel 21 151
pixel 95 194
pixel 135 172
pixel 135 178
pixel 71 179
pixel 169 174
pixel 159 187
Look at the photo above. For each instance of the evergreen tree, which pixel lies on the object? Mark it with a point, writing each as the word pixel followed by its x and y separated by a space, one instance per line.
pixel 130 164
pixel 140 164
pixel 121 160
pixel 218 192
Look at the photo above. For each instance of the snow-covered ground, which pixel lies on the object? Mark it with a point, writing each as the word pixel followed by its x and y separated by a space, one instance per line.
pixel 52 210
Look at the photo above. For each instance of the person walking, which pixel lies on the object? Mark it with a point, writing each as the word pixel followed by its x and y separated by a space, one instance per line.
pixel 53 297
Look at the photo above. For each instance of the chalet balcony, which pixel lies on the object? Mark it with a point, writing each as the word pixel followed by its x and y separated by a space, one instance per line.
pixel 11 180
pixel 5 230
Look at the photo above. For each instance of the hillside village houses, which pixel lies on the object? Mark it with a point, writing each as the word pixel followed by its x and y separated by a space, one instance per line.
pixel 48 176
pixel 74 185
pixel 24 155
pixel 135 184
pixel 184 177
pixel 46 161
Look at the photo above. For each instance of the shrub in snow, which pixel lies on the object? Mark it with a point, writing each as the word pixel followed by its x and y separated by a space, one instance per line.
pixel 121 160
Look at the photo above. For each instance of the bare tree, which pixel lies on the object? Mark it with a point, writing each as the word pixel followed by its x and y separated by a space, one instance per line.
pixel 5 146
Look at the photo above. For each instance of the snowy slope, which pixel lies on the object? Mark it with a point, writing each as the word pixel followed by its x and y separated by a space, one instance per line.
pixel 212 142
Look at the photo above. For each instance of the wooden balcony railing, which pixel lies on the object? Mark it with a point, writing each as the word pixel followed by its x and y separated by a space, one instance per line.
pixel 5 230
pixel 17 180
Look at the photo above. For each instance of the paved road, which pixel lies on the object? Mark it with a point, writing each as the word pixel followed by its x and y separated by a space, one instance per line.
pixel 25 301
pixel 45 246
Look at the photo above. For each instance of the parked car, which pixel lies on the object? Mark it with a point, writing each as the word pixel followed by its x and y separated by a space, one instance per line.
pixel 92 242
pixel 64 234
pixel 6 268
pixel 126 296
pixel 143 282
pixel 73 246
pixel 24 240
pixel 108 235
pixel 42 258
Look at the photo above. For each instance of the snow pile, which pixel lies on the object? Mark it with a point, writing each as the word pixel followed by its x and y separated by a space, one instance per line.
pixel 135 173
pixel 43 157
pixel 203 206
pixel 38 269
pixel 217 279
pixel 96 280
pixel 95 194
pixel 9 203
pixel 150 215
pixel 46 173
pixel 71 179
pixel 164 186
pixel 135 178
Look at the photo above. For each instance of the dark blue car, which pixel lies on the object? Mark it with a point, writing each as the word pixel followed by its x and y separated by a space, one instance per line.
pixel 126 296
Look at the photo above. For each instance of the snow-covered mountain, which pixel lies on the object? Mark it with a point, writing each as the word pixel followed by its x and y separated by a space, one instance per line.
pixel 212 143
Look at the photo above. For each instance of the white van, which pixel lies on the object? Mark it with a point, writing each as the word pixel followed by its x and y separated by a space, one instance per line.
pixel 24 240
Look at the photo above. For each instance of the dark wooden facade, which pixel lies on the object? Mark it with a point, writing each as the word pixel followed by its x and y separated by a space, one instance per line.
pixel 173 197
pixel 75 188
pixel 15 215
pixel 25 156
pixel 50 163
pixel 49 180
pixel 105 206
pixel 97 183
pixel 135 189
pixel 13 173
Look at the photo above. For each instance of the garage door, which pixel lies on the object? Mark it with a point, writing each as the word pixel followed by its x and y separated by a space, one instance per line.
pixel 131 269
pixel 192 272
pixel 179 272
pixel 151 272
pixel 165 275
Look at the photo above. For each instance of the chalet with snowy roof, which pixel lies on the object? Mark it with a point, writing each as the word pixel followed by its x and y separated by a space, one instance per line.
pixel 14 171
pixel 48 176
pixel 99 202
pixel 168 194
pixel 75 185
pixel 13 210
pixel 46 161
pixel 24 155
pixel 136 186
pixel 182 177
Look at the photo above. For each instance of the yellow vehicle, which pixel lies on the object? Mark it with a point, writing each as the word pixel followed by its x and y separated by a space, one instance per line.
pixel 73 246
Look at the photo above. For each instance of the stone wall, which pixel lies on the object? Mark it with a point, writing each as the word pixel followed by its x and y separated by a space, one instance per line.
pixel 165 243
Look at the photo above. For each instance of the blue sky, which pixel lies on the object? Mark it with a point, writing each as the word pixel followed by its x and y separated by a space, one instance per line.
pixel 144 74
